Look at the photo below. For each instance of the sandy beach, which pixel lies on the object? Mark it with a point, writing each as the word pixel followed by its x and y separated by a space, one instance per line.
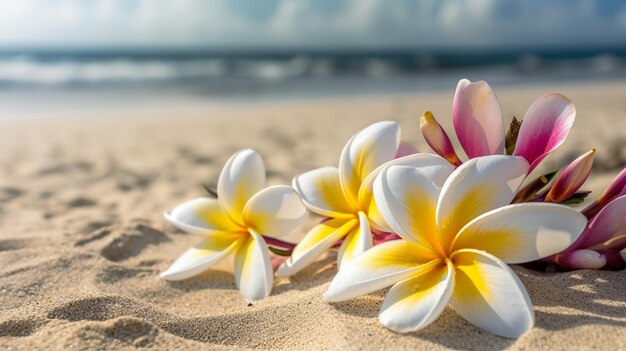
pixel 83 239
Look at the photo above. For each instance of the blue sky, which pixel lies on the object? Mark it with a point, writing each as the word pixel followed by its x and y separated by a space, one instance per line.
pixel 372 24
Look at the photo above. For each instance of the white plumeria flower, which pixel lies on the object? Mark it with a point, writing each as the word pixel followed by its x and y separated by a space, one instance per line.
pixel 456 243
pixel 236 222
pixel 345 194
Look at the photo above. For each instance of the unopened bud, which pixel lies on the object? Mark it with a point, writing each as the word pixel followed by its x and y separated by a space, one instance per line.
pixel 437 138
pixel 572 178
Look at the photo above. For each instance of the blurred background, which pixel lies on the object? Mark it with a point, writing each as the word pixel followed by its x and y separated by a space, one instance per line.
pixel 72 55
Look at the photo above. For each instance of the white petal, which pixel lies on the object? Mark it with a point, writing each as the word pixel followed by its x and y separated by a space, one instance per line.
pixel 432 166
pixel 522 232
pixel 377 268
pixel 488 294
pixel 242 176
pixel 275 211
pixel 203 255
pixel 436 168
pixel 407 199
pixel 201 216
pixel 476 187
pixel 416 302
pixel 321 192
pixel 367 150
pixel 319 239
pixel 356 242
pixel 253 269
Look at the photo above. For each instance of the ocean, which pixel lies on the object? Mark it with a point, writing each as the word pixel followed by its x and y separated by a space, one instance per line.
pixel 232 76
pixel 234 73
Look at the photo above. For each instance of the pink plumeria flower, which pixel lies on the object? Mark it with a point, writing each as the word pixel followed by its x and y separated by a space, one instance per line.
pixel 344 195
pixel 236 222
pixel 602 240
pixel 479 125
pixel 456 243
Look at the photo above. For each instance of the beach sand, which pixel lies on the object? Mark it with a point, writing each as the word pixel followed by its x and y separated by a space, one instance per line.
pixel 82 237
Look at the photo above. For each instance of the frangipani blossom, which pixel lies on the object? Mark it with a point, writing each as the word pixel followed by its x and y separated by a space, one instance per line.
pixel 456 243
pixel 600 243
pixel 599 246
pixel 344 195
pixel 479 126
pixel 236 222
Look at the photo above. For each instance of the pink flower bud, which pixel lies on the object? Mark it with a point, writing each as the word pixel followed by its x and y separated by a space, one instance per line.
pixel 437 138
pixel 581 259
pixel 572 178
pixel 614 189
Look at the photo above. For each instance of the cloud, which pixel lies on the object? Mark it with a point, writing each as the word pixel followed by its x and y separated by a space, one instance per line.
pixel 312 23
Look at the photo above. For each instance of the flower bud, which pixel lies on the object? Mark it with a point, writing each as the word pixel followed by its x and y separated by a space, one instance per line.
pixel 614 189
pixel 572 178
pixel 437 138
pixel 581 259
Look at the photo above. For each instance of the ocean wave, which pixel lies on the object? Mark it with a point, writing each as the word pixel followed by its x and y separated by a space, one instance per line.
pixel 69 70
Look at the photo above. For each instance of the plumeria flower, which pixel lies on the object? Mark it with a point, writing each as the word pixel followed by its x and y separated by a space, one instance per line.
pixel 344 195
pixel 599 246
pixel 479 125
pixel 455 245
pixel 238 221
pixel 600 243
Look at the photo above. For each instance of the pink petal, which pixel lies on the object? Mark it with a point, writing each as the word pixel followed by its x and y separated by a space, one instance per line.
pixel 581 259
pixel 616 188
pixel 607 229
pixel 572 178
pixel 477 119
pixel 405 149
pixel 544 128
pixel 595 207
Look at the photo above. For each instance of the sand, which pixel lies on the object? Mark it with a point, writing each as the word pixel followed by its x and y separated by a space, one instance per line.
pixel 82 238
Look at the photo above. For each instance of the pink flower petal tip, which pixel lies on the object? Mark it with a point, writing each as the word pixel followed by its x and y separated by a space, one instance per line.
pixel 544 128
pixel 477 119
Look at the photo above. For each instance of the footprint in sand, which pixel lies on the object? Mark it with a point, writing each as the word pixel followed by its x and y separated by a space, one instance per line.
pixel 131 241
pixel 80 201
pixel 9 193
pixel 128 180
pixel 114 274
pixel 128 331
pixel 189 154
pixel 19 327
pixel 63 168
pixel 13 244
pixel 94 235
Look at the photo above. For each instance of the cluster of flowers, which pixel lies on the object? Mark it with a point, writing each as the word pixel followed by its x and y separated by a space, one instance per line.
pixel 440 231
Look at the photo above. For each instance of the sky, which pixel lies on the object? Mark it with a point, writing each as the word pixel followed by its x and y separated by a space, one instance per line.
pixel 313 24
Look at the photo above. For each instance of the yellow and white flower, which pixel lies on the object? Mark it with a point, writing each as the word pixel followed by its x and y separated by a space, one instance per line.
pixel 456 243
pixel 345 194
pixel 237 221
